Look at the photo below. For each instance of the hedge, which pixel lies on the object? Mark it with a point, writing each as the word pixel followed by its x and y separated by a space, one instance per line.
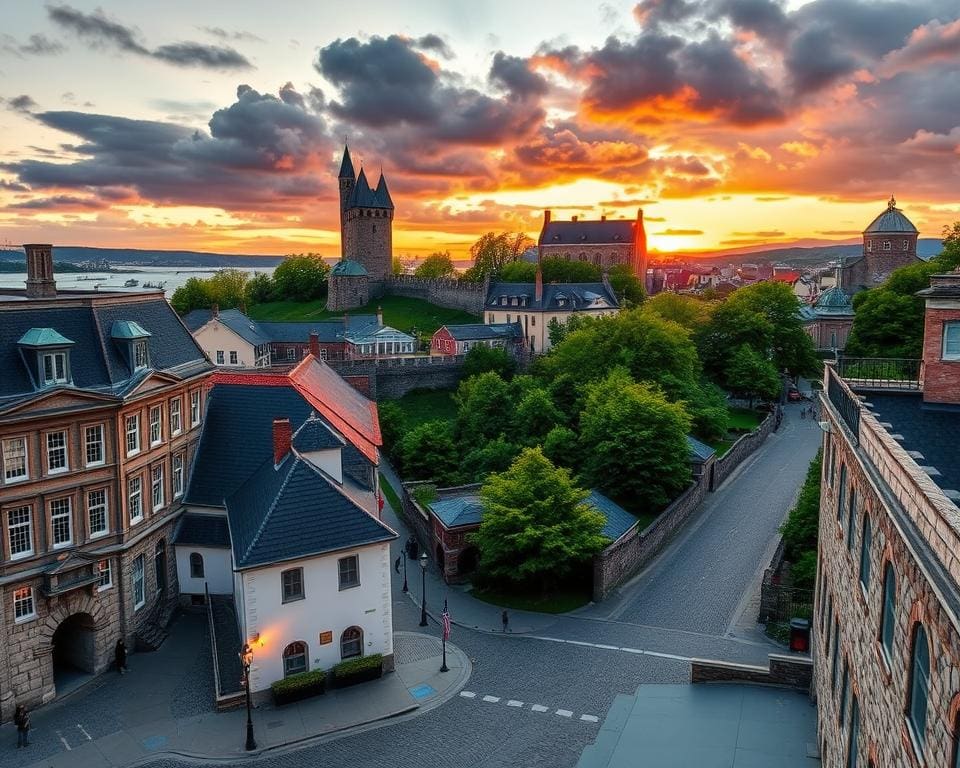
pixel 358 670
pixel 300 686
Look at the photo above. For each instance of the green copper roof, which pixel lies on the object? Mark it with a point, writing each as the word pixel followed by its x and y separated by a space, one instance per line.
pixel 891 220
pixel 128 329
pixel 349 268
pixel 833 301
pixel 43 337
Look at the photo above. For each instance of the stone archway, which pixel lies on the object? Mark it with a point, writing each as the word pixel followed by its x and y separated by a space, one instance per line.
pixel 74 651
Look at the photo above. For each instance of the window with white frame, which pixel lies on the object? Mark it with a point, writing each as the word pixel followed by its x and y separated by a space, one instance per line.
pixel 176 418
pixel 139 593
pixel 105 572
pixel 349 570
pixel 292 582
pixel 178 476
pixel 93 445
pixel 97 512
pixel 19 532
pixel 156 425
pixel 196 565
pixel 15 459
pixel 133 434
pixel 54 368
pixel 23 607
pixel 57 452
pixel 951 341
pixel 194 407
pixel 886 245
pixel 140 357
pixel 156 487
pixel 135 498
pixel 233 357
pixel 219 357
pixel 61 522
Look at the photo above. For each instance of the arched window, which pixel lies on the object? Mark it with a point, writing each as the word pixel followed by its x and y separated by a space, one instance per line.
pixel 351 643
pixel 851 517
pixel 852 747
pixel 906 245
pixel 889 605
pixel 842 493
pixel 196 565
pixel 865 554
pixel 919 687
pixel 294 658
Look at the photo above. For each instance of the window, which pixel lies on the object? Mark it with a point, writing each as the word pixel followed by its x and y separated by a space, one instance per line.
pixel 889 604
pixel 176 421
pixel 349 571
pixel 851 518
pixel 178 476
pixel 106 575
pixel 833 339
pixel 291 353
pixel 844 692
pixel 196 565
pixel 97 511
pixel 156 426
pixel 57 452
pixel 93 444
pixel 292 584
pixel 219 357
pixel 140 357
pixel 833 461
pixel 139 593
pixel 842 493
pixel 854 734
pixel 54 367
pixel 508 318
pixel 323 353
pixel 233 357
pixel 294 659
pixel 886 245
pixel 351 643
pixel 836 654
pixel 533 319
pixel 133 434
pixel 61 522
pixel 19 532
pixel 135 498
pixel 905 245
pixel 195 408
pixel 156 487
pixel 919 688
pixel 869 245
pixel 865 554
pixel 23 607
pixel 951 341
pixel 15 459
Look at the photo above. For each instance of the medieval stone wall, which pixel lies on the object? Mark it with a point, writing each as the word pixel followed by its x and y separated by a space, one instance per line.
pixel 368 239
pixel 783 670
pixel 347 292
pixel 392 378
pixel 452 294
pixel 739 451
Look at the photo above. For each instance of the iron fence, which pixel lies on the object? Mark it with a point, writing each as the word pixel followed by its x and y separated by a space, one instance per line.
pixel 782 603
pixel 880 372
pixel 846 404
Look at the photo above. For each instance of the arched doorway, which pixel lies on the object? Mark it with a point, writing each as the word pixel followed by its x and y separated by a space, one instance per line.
pixel 74 652
pixel 467 562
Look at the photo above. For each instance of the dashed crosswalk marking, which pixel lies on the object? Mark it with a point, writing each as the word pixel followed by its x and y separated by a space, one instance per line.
pixel 64 741
pixel 519 705
pixel 514 703
pixel 491 699
pixel 590 718
pixel 538 708
pixel 84 732
pixel 468 694
pixel 564 713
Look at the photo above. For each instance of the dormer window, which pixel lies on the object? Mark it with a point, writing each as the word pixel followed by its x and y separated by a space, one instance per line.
pixel 140 356
pixel 131 338
pixel 53 368
pixel 50 353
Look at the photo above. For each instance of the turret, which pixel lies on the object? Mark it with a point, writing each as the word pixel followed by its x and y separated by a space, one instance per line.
pixel 347 180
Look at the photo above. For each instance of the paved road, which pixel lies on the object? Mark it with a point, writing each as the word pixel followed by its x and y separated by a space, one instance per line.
pixel 680 607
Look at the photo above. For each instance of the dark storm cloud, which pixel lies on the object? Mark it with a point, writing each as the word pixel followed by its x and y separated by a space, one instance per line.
pixel 12 186
pixel 816 59
pixel 60 202
pixel 21 103
pixel 650 13
pixel 289 95
pixel 99 31
pixel 515 75
pixel 434 44
pixel 765 17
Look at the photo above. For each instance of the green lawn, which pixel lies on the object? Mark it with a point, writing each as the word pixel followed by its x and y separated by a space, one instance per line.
pixel 390 494
pixel 560 602
pixel 399 312
pixel 423 405
pixel 745 420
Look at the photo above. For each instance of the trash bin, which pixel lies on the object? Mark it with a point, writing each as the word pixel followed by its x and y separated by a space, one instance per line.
pixel 800 635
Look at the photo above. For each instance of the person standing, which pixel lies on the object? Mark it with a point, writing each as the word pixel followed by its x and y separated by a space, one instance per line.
pixel 22 720
pixel 505 619
pixel 120 656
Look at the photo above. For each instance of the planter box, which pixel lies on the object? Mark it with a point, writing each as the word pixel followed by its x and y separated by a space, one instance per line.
pixel 352 678
pixel 299 687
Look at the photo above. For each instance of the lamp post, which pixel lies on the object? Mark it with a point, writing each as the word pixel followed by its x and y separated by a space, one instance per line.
pixel 405 588
pixel 445 633
pixel 423 578
pixel 246 659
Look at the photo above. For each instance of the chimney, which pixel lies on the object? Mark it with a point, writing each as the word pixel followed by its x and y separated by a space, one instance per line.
pixel 215 308
pixel 379 317
pixel 640 263
pixel 282 432
pixel 546 217
pixel 538 285
pixel 574 218
pixel 40 282
pixel 940 374
pixel 603 217
pixel 315 344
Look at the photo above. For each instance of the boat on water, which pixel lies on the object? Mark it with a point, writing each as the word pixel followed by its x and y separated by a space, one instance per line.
pixel 131 283
pixel 158 285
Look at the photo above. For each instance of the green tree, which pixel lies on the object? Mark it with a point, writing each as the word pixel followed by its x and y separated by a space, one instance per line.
pixel 518 272
pixel 485 410
pixel 560 446
pixel 194 294
pixel 228 287
pixel 481 359
pixel 691 312
pixel 429 453
pixel 558 270
pixel 801 526
pixel 752 376
pixel 627 286
pixel 492 251
pixel 436 265
pixel 535 416
pixel 259 289
pixel 393 426
pixel 397 266
pixel 301 278
pixel 633 442
pixel 494 456
pixel 536 527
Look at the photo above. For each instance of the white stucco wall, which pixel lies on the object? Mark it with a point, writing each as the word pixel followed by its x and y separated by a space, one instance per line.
pixel 216 336
pixel 217 570
pixel 324 608
pixel 536 325
pixel 329 461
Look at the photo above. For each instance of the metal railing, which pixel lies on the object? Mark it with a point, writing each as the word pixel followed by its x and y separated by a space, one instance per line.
pixel 880 372
pixel 846 404
pixel 784 603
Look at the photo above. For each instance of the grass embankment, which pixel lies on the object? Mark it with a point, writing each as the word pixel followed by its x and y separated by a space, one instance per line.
pixel 424 405
pixel 399 312
pixel 742 420
pixel 559 602
pixel 391 495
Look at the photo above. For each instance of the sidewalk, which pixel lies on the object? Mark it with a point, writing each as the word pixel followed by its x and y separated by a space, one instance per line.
pixel 61 739
pixel 465 611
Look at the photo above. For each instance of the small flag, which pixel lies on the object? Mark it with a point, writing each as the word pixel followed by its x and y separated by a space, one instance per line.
pixel 380 502
pixel 446 625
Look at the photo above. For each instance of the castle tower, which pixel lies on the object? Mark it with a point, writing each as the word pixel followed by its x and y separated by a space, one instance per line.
pixel 889 242
pixel 366 222
pixel 347 179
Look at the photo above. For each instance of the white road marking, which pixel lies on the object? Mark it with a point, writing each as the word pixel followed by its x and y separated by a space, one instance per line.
pixel 491 699
pixel 538 708
pixel 63 741
pixel 84 732
pixel 564 713
pixel 590 718
pixel 514 703
pixel 600 646
pixel 468 694
pixel 607 647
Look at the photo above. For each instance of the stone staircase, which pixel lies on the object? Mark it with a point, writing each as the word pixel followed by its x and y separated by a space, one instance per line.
pixel 154 630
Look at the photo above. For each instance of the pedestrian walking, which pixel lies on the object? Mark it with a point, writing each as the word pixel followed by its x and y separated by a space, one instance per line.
pixel 803 413
pixel 120 656
pixel 505 619
pixel 22 720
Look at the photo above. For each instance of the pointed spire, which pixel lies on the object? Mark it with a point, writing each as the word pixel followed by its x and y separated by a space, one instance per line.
pixel 346 165
pixel 383 194
pixel 892 203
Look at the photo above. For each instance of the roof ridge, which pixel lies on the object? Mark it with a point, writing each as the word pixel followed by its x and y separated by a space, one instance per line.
pixel 276 497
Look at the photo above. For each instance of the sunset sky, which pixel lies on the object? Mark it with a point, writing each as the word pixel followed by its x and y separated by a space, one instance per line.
pixel 219 125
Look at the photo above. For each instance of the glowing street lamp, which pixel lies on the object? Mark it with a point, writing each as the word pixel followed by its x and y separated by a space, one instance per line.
pixel 246 659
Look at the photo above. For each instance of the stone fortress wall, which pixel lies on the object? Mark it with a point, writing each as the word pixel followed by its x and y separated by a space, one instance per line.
pixel 451 294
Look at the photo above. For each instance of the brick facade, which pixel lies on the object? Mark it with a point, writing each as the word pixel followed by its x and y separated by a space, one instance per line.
pixel 368 239
pixel 604 256
pixel 941 377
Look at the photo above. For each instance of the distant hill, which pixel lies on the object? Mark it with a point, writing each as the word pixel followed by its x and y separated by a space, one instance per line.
pixel 76 254
pixel 798 256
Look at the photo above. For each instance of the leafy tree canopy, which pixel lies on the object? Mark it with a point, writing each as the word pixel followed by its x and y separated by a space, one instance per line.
pixel 481 359
pixel 436 265
pixel 627 286
pixel 226 289
pixel 691 312
pixel 485 410
pixel 493 251
pixel 301 278
pixel 751 375
pixel 429 453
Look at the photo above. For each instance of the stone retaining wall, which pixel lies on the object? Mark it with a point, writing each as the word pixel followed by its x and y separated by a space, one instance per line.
pixel 783 670
pixel 740 450
pixel 391 378
pixel 452 294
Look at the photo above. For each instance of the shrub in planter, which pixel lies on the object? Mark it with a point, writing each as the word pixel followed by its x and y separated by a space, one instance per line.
pixel 358 670
pixel 299 686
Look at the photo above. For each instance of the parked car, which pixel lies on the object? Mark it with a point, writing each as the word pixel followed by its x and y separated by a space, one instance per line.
pixel 793 395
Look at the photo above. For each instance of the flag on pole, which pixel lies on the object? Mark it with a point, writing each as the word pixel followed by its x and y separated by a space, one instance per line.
pixel 380 502
pixel 446 625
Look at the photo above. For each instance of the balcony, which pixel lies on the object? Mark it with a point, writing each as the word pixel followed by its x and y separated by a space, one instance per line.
pixel 880 373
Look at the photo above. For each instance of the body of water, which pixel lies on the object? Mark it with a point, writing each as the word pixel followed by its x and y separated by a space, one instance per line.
pixel 170 278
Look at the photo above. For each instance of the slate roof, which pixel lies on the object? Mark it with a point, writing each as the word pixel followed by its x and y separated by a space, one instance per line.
pixel 97 362
pixel 479 331
pixel 575 296
pixel 931 430
pixel 833 301
pixel 293 511
pixel 699 451
pixel 202 530
pixel 891 220
pixel 246 328
pixel 327 330
pixel 363 196
pixel 346 165
pixel 593 232
pixel 44 337
pixel 314 435
pixel 348 268
pixel 197 318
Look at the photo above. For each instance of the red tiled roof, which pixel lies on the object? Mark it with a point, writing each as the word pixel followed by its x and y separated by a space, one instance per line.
pixel 252 379
pixel 787 277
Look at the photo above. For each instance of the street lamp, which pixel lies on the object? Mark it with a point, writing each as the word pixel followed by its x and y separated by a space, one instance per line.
pixel 405 588
pixel 423 601
pixel 246 659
